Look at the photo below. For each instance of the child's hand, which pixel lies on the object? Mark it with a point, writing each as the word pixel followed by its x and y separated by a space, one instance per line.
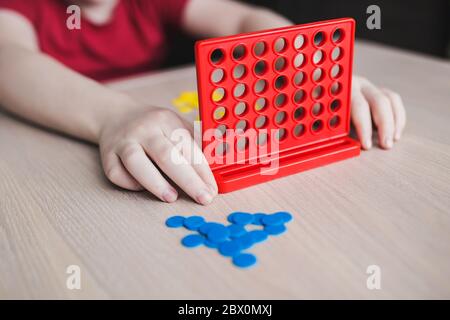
pixel 386 108
pixel 129 141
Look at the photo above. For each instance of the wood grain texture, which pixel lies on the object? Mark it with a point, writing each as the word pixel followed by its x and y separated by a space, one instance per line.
pixel 391 209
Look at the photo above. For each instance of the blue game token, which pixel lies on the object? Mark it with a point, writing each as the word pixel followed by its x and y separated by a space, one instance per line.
pixel 275 230
pixel 231 216
pixel 175 221
pixel 242 218
pixel 272 220
pixel 211 244
pixel 244 260
pixel 286 216
pixel 257 217
pixel 218 233
pixel 246 241
pixel 193 222
pixel 236 230
pixel 204 228
pixel 259 235
pixel 192 240
pixel 230 248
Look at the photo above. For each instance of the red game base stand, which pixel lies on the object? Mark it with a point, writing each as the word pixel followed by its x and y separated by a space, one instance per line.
pixel 231 178
pixel 289 88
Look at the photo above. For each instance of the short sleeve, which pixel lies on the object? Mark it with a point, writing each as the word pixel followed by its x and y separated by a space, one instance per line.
pixel 25 8
pixel 170 12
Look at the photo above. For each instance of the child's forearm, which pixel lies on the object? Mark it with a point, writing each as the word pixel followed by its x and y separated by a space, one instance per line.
pixel 261 19
pixel 215 18
pixel 38 88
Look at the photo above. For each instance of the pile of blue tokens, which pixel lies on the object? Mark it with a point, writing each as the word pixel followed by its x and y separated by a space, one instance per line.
pixel 232 239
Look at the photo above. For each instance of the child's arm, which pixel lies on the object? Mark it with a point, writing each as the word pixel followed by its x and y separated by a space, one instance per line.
pixel 212 18
pixel 37 87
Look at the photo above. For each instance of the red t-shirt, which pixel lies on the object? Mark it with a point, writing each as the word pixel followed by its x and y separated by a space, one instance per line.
pixel 133 41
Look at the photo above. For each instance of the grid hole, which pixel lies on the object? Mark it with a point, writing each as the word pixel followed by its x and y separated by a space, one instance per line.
pixel 299 96
pixel 220 131
pixel 280 100
pixel 217 75
pixel 261 140
pixel 317 109
pixel 317 74
pixel 280 134
pixel 280 64
pixel 259 49
pixel 337 35
pixel 299 130
pixel 299 113
pixel 335 121
pixel 317 126
pixel 335 105
pixel 222 148
pixel 299 41
pixel 335 88
pixel 239 71
pixel 336 71
pixel 240 109
pixel 280 82
pixel 280 45
pixel 318 56
pixel 219 113
pixel 260 104
pixel 239 90
pixel 261 122
pixel 217 56
pixel 317 92
pixel 260 85
pixel 241 126
pixel 239 52
pixel 299 60
pixel 280 117
pixel 319 38
pixel 336 54
pixel 242 143
pixel 260 67
pixel 218 94
pixel 299 78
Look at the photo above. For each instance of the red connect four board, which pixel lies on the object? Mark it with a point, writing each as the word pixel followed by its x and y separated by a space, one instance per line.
pixel 276 102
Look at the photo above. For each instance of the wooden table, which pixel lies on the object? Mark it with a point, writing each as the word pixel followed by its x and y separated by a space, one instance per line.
pixel 390 209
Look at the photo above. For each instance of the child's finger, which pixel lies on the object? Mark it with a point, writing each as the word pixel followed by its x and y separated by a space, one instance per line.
pixel 141 168
pixel 398 110
pixel 383 117
pixel 188 125
pixel 171 161
pixel 361 119
pixel 194 155
pixel 117 174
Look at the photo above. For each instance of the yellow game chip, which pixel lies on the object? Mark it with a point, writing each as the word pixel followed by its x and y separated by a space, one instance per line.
pixel 186 102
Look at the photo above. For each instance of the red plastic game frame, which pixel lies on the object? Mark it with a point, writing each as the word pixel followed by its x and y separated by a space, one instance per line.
pixel 322 124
